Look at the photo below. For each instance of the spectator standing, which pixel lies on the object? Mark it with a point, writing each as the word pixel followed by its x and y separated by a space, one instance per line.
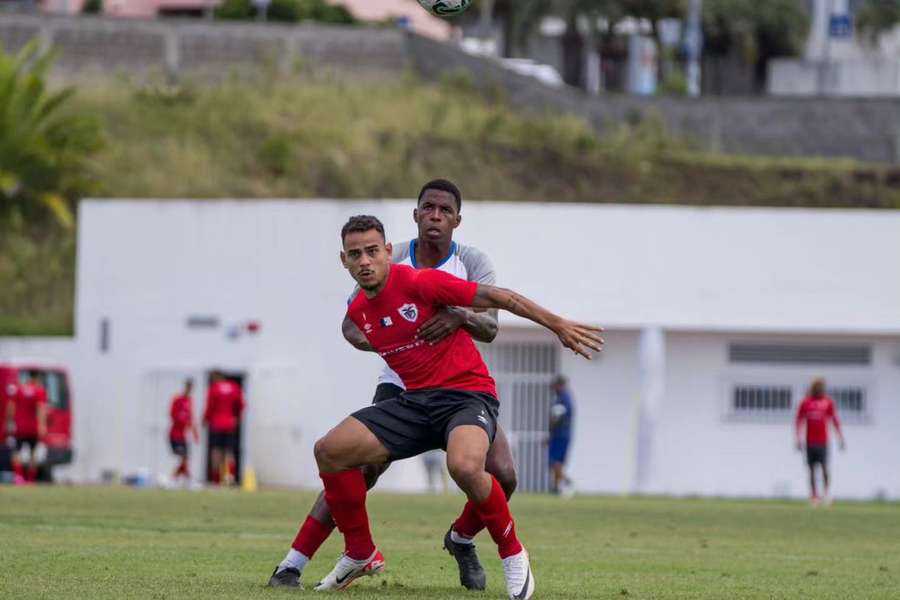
pixel 561 419
pixel 816 410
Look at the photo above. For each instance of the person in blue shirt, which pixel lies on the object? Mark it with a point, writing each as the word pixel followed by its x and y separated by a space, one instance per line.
pixel 561 420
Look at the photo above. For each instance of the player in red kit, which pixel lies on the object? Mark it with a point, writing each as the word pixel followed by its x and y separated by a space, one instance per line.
pixel 224 407
pixel 450 400
pixel 817 409
pixel 27 410
pixel 181 413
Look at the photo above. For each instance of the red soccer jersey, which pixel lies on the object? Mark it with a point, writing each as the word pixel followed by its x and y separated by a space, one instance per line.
pixel 26 400
pixel 181 417
pixel 817 412
pixel 390 319
pixel 224 405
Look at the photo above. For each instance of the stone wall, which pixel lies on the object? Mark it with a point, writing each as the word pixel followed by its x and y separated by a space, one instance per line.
pixel 102 45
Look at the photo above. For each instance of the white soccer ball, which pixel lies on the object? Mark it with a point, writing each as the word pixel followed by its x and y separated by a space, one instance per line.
pixel 445 8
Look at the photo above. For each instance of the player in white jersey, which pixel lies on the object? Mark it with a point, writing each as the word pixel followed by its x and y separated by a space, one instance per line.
pixel 437 214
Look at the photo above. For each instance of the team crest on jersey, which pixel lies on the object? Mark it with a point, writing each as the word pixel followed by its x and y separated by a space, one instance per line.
pixel 410 312
pixel 386 322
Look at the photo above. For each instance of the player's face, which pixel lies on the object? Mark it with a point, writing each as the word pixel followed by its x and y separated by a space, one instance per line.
pixel 367 258
pixel 436 216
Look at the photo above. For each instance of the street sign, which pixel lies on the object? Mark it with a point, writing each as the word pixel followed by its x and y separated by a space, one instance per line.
pixel 840 26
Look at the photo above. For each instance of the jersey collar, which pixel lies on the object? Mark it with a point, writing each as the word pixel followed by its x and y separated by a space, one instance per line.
pixel 412 254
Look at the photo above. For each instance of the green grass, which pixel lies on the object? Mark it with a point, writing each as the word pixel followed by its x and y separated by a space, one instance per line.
pixel 71 542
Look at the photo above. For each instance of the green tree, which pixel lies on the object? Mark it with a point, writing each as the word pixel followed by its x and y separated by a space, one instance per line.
pixel 44 146
pixel 874 17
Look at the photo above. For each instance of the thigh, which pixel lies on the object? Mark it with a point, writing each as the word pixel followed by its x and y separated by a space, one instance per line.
pixel 352 444
pixel 401 425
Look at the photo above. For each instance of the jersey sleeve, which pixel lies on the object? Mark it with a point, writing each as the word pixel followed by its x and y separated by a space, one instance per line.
pixel 478 266
pixel 438 287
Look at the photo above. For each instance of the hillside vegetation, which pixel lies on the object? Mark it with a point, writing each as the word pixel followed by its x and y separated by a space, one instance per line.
pixel 301 137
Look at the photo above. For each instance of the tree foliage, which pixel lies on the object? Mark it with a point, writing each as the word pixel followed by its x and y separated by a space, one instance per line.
pixel 44 146
pixel 874 17
pixel 288 11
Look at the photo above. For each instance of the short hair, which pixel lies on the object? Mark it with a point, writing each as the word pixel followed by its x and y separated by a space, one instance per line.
pixel 560 381
pixel 443 185
pixel 360 224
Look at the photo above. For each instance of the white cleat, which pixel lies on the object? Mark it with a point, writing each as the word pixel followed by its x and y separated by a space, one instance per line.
pixel 347 570
pixel 519 578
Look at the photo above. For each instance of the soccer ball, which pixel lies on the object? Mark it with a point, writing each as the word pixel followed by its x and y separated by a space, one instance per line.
pixel 445 8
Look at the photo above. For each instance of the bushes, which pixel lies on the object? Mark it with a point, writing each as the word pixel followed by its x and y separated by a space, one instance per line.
pixel 44 146
pixel 288 11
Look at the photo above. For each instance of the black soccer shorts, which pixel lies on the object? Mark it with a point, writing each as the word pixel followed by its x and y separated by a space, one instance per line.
pixel 816 454
pixel 386 391
pixel 416 422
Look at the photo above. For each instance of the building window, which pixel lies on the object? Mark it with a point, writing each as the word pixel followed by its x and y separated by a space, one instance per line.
pixel 761 402
pixel 850 402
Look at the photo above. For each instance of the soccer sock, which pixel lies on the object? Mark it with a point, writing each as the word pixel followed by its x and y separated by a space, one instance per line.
pixel 32 474
pixel 311 535
pixel 294 559
pixel 469 522
pixel 498 520
pixel 345 493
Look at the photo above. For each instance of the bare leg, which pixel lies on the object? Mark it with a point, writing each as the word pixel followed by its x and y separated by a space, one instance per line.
pixel 500 464
pixel 215 457
pixel 812 482
pixel 825 479
pixel 228 477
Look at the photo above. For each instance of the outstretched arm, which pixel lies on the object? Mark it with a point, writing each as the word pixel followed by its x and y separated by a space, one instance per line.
pixel 575 336
pixel 353 335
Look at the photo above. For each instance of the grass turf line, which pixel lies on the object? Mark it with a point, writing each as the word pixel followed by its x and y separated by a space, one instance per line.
pixel 89 542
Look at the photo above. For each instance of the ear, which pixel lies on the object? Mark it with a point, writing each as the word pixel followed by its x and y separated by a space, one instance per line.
pixel 344 260
pixel 390 249
pixel 416 215
pixel 458 220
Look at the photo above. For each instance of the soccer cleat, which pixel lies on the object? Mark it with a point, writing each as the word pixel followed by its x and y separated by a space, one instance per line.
pixel 347 570
pixel 519 578
pixel 471 573
pixel 287 577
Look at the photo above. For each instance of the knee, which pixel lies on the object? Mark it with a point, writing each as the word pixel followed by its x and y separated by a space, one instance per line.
pixel 464 469
pixel 325 453
pixel 508 479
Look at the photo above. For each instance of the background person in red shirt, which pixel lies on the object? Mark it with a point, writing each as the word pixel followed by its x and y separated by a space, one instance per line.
pixel 817 409
pixel 27 411
pixel 224 406
pixel 182 415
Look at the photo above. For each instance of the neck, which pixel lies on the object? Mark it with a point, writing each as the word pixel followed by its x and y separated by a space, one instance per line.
pixel 376 290
pixel 430 254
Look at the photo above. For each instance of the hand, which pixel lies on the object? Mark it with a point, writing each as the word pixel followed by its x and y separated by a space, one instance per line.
pixel 579 338
pixel 446 321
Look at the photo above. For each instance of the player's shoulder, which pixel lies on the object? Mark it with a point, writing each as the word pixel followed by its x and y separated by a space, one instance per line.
pixel 478 265
pixel 401 251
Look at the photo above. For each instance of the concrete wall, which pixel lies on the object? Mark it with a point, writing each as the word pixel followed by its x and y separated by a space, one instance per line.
pixel 863 129
pixel 109 46
pixel 856 78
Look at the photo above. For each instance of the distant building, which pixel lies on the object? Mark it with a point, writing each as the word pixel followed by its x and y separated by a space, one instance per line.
pixel 716 318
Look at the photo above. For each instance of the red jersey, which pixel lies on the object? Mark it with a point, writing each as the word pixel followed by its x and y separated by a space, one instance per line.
pixel 817 412
pixel 224 405
pixel 181 414
pixel 389 321
pixel 26 399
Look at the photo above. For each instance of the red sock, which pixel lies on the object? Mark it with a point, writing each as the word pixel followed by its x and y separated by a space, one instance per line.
pixel 17 468
pixel 32 474
pixel 496 517
pixel 469 522
pixel 312 534
pixel 345 493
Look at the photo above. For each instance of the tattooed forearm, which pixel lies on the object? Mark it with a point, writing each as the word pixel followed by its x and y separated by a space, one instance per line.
pixel 513 303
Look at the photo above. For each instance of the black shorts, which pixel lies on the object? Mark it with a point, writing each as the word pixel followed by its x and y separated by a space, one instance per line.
pixel 179 447
pixel 817 454
pixel 224 440
pixel 386 391
pixel 30 440
pixel 415 422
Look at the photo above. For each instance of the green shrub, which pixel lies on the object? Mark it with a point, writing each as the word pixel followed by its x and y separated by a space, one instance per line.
pixel 92 7
pixel 44 146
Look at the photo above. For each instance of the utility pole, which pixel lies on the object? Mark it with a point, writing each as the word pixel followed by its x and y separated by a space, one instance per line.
pixel 693 42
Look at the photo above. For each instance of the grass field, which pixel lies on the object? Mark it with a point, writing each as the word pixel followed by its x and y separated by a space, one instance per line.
pixel 72 542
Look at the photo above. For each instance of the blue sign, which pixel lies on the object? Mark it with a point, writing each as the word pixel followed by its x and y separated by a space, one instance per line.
pixel 840 26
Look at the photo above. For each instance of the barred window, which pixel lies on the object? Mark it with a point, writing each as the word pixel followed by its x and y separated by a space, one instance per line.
pixel 761 402
pixel 850 402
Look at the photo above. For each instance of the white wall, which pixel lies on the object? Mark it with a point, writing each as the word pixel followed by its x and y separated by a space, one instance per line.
pixel 146 266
